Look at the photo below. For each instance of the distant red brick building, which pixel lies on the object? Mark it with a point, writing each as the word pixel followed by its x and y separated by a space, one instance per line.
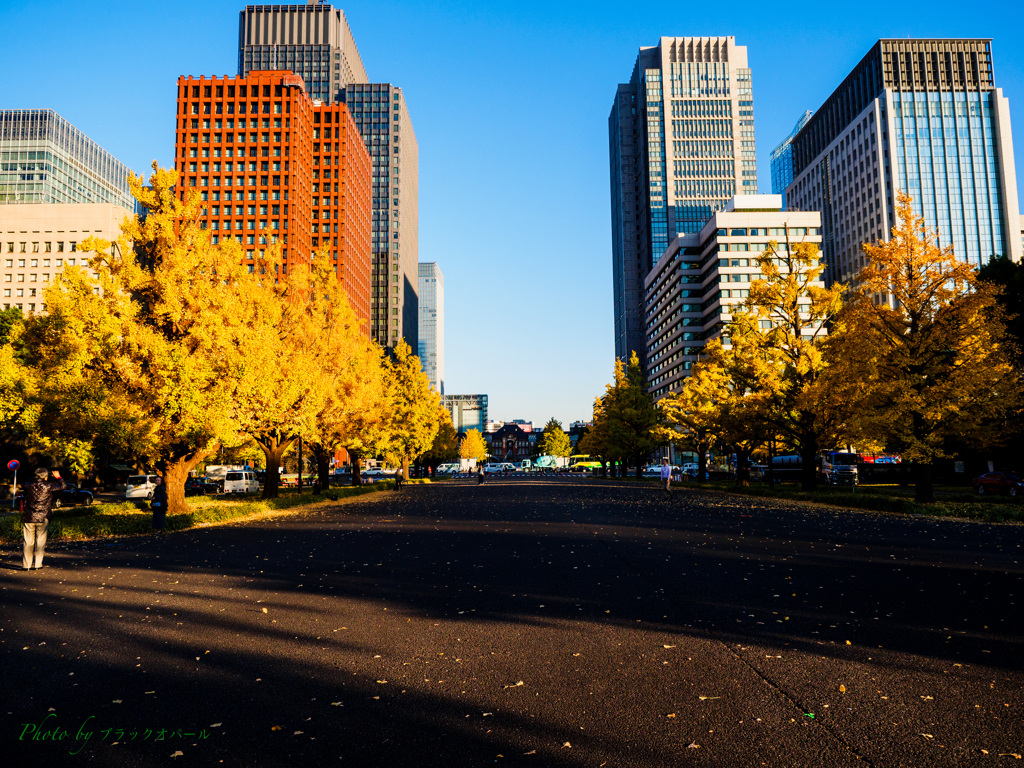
pixel 272 166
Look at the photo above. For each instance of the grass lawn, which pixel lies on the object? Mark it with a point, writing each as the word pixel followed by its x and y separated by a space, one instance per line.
pixel 951 501
pixel 129 518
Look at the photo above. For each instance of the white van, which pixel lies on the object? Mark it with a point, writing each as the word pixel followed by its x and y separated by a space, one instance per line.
pixel 140 487
pixel 243 481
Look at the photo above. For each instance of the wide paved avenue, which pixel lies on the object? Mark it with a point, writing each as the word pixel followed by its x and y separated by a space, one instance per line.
pixel 524 622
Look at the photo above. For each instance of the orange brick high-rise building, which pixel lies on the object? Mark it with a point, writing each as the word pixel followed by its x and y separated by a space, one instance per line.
pixel 273 166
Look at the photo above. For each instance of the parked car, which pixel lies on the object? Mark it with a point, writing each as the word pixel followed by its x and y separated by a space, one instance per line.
pixel 140 487
pixel 999 482
pixel 377 472
pixel 241 482
pixel 197 486
pixel 71 496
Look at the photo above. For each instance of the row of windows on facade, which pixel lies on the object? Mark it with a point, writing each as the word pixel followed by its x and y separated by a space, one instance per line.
pixel 45 246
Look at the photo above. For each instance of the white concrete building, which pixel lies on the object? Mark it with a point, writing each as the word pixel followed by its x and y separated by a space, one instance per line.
pixel 703 276
pixel 38 240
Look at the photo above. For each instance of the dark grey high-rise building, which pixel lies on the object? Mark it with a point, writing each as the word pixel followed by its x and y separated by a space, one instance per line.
pixel 681 144
pixel 315 41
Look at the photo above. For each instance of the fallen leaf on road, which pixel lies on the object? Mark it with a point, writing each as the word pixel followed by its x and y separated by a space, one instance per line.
pixel 179 753
pixel 668 646
pixel 382 681
pixel 264 610
pixel 216 725
pixel 567 744
pixel 531 752
pixel 693 745
pixel 708 698
pixel 926 735
pixel 842 689
pixel 275 728
pixel 116 701
pixel 848 642
pixel 337 704
pixel 488 714
pixel 1014 755
pixel 928 698
pixel 297 733
pixel 516 685
pixel 149 692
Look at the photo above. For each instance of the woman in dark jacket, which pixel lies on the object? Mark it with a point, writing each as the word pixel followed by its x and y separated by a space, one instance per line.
pixel 159 505
pixel 35 517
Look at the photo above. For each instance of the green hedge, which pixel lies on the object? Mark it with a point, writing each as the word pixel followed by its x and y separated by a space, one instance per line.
pixel 128 518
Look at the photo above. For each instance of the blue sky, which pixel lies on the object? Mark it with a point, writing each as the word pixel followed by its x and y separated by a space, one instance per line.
pixel 510 106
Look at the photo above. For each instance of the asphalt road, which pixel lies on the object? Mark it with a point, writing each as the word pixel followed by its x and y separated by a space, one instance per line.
pixel 526 623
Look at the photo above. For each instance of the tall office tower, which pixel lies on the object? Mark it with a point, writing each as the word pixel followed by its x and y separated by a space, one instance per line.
pixel 313 41
pixel 45 159
pixel 689 109
pixel 922 116
pixel 380 112
pixel 274 167
pixel 431 325
pixel 782 160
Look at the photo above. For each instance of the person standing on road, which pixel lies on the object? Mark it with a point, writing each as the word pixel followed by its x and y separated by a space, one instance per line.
pixel 35 518
pixel 159 505
pixel 666 476
pixel 398 480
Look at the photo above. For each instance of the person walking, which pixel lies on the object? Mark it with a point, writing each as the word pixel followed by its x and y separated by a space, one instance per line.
pixel 666 476
pixel 159 505
pixel 398 480
pixel 35 517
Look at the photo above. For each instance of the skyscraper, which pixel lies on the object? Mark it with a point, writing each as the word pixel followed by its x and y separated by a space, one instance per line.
pixel 782 160
pixel 382 117
pixel 922 116
pixel 688 108
pixel 274 167
pixel 431 325
pixel 313 41
pixel 45 159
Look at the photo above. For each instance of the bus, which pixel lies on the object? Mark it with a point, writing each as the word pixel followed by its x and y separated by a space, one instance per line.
pixel 583 463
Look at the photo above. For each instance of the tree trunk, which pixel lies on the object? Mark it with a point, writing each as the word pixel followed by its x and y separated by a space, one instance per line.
pixel 353 457
pixel 742 466
pixel 923 488
pixel 175 474
pixel 273 449
pixel 639 467
pixel 808 465
pixel 323 469
pixel 405 468
pixel 702 463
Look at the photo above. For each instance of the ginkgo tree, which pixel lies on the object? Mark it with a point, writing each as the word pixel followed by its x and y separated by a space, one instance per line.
pixel 781 330
pixel 412 409
pixel 144 356
pixel 932 344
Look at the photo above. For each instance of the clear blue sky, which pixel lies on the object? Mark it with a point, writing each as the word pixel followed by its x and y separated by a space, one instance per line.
pixel 510 105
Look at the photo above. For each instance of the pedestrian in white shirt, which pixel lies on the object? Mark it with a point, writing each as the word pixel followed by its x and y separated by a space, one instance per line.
pixel 666 476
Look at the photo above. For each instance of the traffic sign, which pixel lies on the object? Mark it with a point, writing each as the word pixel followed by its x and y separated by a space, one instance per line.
pixel 13 465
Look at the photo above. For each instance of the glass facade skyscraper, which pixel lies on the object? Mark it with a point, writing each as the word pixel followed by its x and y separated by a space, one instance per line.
pixel 782 160
pixel 431 326
pixel 924 117
pixel 45 159
pixel 681 144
